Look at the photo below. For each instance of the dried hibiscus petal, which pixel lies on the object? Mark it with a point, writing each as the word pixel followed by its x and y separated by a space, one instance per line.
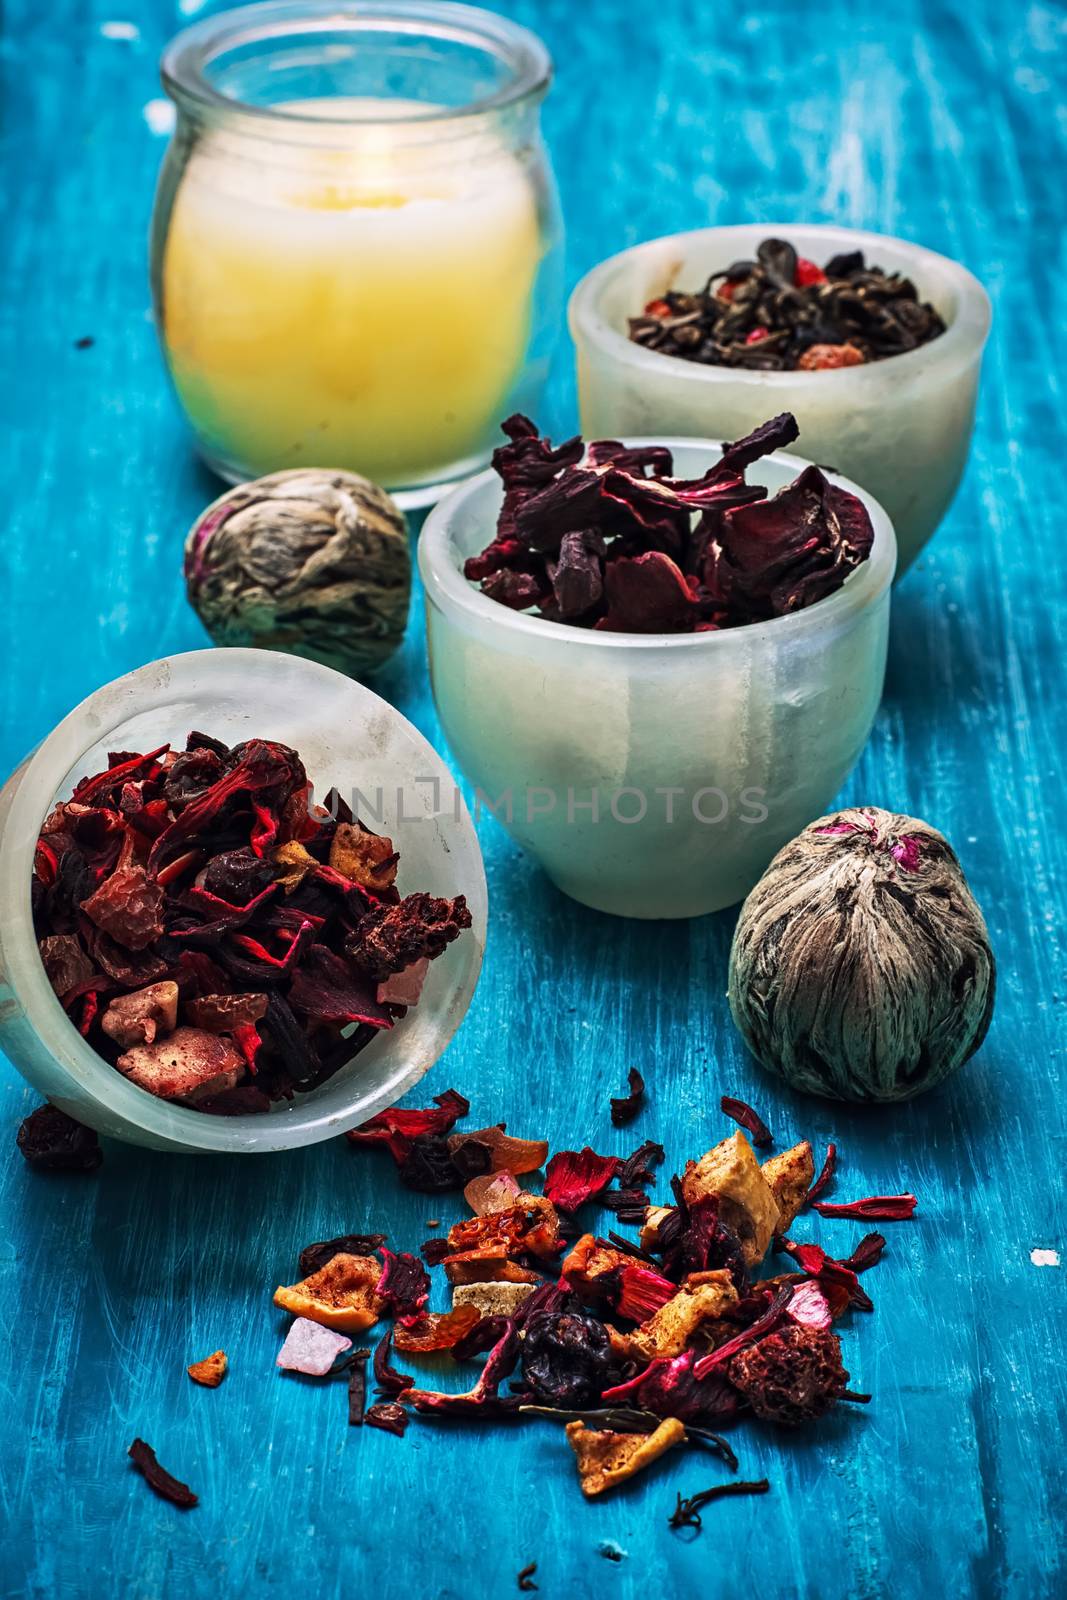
pixel 867 1252
pixel 876 1208
pixel 826 1174
pixel 814 1261
pixel 624 1108
pixel 158 1478
pixel 314 1256
pixel 128 906
pixel 386 1376
pixel 668 1386
pixel 404 1285
pixel 484 1396
pixel 397 1128
pixel 750 1120
pixel 574 1176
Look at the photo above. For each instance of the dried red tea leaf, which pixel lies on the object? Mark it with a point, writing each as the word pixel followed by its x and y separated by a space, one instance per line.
pixel 686 1513
pixel 65 962
pixel 483 1398
pixel 390 938
pixel 389 1416
pixel 814 1261
pixel 867 1253
pixel 625 1108
pixel 404 1285
pixel 165 1485
pixel 648 593
pixel 826 1174
pixel 574 1176
pixel 750 1120
pixel 386 1376
pixel 668 1387
pixel 437 1330
pixel 876 1208
pixel 314 1257
pixel 50 1141
pixel 397 1128
pixel 637 1169
pixel 525 1578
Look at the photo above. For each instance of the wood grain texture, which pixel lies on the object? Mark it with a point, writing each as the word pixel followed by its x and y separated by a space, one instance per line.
pixel 941 121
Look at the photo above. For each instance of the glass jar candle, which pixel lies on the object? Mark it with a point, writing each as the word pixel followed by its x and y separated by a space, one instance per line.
pixel 356 252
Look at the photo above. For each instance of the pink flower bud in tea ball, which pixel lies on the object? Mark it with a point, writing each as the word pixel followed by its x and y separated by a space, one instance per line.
pixel 861 967
pixel 312 562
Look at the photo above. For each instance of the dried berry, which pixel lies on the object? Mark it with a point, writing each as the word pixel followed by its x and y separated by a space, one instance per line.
pixel 792 1376
pixel 566 1357
pixel 50 1141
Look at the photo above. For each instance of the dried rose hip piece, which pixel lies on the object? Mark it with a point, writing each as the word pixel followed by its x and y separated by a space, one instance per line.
pixel 791 1376
pixel 50 1141
pixel 217 937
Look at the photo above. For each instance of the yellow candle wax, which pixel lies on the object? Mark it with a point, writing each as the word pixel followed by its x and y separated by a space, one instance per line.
pixel 364 306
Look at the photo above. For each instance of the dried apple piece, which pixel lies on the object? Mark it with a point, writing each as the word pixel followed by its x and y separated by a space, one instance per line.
pixel 342 1294
pixel 505 1153
pixel 746 1203
pixel 700 1304
pixel 363 857
pixel 488 1264
pixel 139 1018
pixel 189 1065
pixel 211 1371
pixel 790 1177
pixel 608 1459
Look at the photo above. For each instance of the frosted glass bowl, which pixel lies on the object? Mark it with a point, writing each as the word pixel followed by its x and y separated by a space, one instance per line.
pixel 901 427
pixel 660 732
pixel 348 737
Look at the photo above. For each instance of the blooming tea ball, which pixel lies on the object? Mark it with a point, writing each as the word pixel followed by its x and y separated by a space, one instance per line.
pixel 861 966
pixel 311 562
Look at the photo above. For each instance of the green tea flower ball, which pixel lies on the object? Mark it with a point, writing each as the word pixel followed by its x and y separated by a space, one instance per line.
pixel 861 967
pixel 312 562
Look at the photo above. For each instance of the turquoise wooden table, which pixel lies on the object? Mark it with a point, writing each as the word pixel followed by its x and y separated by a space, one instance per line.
pixel 934 120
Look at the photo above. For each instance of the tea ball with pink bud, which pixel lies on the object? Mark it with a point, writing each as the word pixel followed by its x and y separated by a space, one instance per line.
pixel 312 561
pixel 861 967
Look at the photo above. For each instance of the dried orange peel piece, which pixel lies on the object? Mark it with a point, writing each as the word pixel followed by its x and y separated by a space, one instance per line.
pixel 340 1295
pixel 437 1330
pixel 608 1459
pixel 211 1371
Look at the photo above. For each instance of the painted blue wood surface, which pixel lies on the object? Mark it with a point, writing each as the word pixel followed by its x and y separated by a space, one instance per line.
pixel 933 120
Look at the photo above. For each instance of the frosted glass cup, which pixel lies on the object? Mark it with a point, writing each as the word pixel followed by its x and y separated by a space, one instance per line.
pixel 901 427
pixel 652 775
pixel 347 737
pixel 356 246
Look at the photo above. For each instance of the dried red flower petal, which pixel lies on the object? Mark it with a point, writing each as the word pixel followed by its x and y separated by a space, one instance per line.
pixel 757 1330
pixel 386 1376
pixel 867 1253
pixel 624 1108
pixel 128 907
pixel 166 1486
pixel 792 1376
pixel 398 1127
pixel 483 1398
pixel 750 1120
pixel 574 1176
pixel 826 1175
pixel 315 1256
pixel 390 938
pixel 814 1261
pixel 876 1208
pixel 404 1284
pixel 668 1387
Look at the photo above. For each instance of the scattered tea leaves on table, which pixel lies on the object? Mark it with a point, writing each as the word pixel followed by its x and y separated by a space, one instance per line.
pixel 166 1486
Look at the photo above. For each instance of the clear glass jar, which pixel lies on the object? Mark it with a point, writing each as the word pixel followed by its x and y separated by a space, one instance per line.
pixel 356 247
